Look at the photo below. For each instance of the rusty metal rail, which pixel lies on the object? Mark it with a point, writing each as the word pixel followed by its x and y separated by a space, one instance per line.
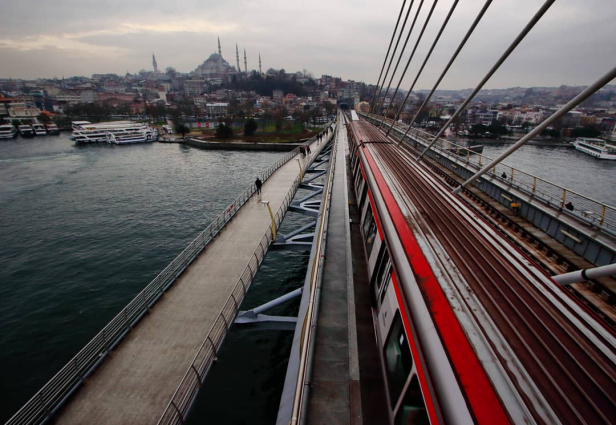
pixel 586 209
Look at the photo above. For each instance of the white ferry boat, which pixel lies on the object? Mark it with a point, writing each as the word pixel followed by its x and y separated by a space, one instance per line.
pixel 87 132
pixel 39 129
pixel 143 136
pixel 26 131
pixel 8 131
pixel 52 129
pixel 595 147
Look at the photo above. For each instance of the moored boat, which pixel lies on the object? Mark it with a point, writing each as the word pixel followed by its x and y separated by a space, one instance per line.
pixel 26 131
pixel 87 132
pixel 598 148
pixel 8 131
pixel 39 130
pixel 52 129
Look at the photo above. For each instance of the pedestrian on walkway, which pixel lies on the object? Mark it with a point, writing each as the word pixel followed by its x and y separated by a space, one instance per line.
pixel 258 184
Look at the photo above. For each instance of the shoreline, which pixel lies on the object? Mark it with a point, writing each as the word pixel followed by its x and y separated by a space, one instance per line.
pixel 237 145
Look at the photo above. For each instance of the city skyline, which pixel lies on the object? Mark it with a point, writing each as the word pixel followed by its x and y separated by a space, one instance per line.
pixel 51 40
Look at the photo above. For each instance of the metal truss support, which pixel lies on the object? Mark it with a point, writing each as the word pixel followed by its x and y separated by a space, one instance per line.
pixel 309 208
pixel 296 239
pixel 259 321
pixel 317 174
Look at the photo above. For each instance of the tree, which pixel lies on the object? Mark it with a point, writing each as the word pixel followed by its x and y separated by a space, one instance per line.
pixel 329 108
pixel 265 118
pixel 171 72
pixel 182 128
pixel 585 132
pixel 314 114
pixel 478 129
pixel 497 128
pixel 44 118
pixel 224 131
pixel 278 117
pixel 250 126
pixel 550 132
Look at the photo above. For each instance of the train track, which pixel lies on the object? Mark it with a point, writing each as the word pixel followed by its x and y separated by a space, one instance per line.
pixel 576 377
pixel 597 296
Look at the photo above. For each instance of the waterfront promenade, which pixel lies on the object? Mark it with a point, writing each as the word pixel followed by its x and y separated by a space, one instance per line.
pixel 139 377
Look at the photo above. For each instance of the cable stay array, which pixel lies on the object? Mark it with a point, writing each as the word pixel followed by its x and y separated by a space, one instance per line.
pixel 378 101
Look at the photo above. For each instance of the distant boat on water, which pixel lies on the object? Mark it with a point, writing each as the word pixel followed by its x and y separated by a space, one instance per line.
pixel 8 131
pixel 598 148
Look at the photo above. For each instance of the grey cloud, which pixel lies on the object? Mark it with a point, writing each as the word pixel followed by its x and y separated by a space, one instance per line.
pixel 572 44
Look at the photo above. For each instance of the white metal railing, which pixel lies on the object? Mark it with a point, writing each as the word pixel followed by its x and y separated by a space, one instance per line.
pixel 586 209
pixel 185 394
pixel 46 402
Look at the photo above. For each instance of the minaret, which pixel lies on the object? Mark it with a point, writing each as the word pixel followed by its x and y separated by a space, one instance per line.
pixel 245 63
pixel 154 64
pixel 260 72
pixel 237 58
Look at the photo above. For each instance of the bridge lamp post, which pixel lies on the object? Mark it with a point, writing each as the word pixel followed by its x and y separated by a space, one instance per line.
pixel 266 204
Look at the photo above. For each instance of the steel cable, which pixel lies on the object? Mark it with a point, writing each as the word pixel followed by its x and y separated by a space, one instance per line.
pixel 410 57
pixel 391 59
pixel 438 36
pixel 453 58
pixel 388 49
pixel 498 63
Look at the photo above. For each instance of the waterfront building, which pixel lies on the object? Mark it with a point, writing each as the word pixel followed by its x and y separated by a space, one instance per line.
pixel 486 117
pixel 216 109
pixel 22 111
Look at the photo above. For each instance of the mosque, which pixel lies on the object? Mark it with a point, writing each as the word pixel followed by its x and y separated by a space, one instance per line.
pixel 217 66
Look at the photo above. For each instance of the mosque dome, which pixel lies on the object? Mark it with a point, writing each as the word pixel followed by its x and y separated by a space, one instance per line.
pixel 215 64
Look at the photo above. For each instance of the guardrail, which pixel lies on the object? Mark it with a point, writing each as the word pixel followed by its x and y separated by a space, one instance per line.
pixel 184 396
pixel 586 209
pixel 48 400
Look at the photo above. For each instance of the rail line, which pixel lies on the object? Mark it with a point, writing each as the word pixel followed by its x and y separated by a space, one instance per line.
pixel 596 286
pixel 572 364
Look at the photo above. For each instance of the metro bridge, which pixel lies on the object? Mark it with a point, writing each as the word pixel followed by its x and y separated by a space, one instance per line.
pixel 419 304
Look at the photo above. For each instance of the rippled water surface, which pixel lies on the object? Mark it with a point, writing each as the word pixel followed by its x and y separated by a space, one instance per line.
pixel 83 229
pixel 565 167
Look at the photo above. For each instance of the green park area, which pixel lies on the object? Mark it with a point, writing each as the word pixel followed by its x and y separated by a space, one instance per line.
pixel 251 130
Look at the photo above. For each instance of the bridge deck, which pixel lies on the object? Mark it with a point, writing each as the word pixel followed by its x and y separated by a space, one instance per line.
pixel 139 377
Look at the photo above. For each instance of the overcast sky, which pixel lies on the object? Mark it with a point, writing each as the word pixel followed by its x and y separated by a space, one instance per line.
pixel 573 44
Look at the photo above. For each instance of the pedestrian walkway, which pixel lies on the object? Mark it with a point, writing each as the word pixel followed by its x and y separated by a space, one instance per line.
pixel 137 380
